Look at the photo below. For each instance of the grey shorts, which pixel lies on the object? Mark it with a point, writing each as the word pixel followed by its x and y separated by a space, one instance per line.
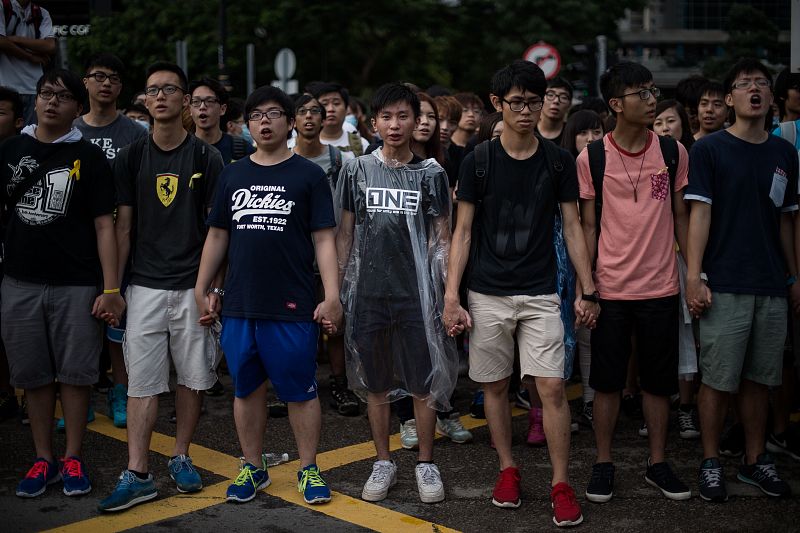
pixel 742 337
pixel 50 333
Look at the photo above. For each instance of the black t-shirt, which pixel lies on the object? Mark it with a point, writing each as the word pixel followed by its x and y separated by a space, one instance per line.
pixel 513 228
pixel 50 237
pixel 385 203
pixel 225 147
pixel 557 139
pixel 270 212
pixel 170 198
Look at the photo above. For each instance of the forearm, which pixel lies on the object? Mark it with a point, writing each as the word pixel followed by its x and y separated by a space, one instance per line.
pixel 9 48
pixel 325 244
pixel 788 239
pixel 681 216
pixel 214 251
pixel 219 278
pixel 697 238
pixel 579 255
pixel 40 46
pixel 107 251
pixel 457 260
pixel 344 242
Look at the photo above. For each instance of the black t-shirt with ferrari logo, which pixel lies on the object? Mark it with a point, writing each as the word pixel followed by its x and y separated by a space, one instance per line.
pixel 170 196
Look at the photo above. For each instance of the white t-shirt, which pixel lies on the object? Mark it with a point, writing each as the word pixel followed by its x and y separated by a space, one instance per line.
pixel 342 143
pixel 16 73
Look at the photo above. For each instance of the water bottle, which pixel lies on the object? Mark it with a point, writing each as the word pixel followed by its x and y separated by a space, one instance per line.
pixel 269 459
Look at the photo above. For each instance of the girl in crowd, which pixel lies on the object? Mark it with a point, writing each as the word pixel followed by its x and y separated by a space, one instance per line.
pixel 672 121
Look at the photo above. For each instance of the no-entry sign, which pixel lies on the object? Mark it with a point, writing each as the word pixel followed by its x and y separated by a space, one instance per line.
pixel 546 56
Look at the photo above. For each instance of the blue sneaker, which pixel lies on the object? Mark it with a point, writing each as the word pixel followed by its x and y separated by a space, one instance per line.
pixel 89 418
pixel 118 405
pixel 130 491
pixel 313 487
pixel 476 409
pixel 35 482
pixel 250 480
pixel 185 475
pixel 76 482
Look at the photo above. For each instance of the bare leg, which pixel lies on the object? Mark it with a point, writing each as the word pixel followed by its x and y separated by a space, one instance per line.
pixel 426 426
pixel 336 355
pixel 752 401
pixel 533 392
pixel 712 406
pixel 782 401
pixel 686 390
pixel 306 421
pixel 379 415
pixel 75 404
pixel 118 372
pixel 41 406
pixel 556 425
pixel 656 414
pixel 606 411
pixel 498 416
pixel 250 414
pixel 142 414
pixel 188 404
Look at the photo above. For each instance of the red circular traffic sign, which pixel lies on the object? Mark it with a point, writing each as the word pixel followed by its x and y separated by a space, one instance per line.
pixel 546 56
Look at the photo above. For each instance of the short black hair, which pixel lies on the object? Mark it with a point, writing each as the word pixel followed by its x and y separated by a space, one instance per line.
pixel 302 100
pixel 7 94
pixel 783 81
pixel 139 108
pixel 687 91
pixel 744 66
pixel 711 88
pixel 621 76
pixel 391 93
pixel 105 60
pixel 521 74
pixel 268 93
pixel 577 122
pixel 215 86
pixel 560 83
pixel 70 81
pixel 592 103
pixel 687 139
pixel 159 66
pixel 326 87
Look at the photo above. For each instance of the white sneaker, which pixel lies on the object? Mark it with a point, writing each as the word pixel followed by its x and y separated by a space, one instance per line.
pixel 408 435
pixel 452 428
pixel 384 476
pixel 429 483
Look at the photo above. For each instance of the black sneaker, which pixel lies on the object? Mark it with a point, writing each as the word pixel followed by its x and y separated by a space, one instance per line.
pixel 732 442
pixel 523 399
pixel 712 481
pixel 24 419
pixel 216 390
pixel 661 476
pixel 764 476
pixel 342 399
pixel 785 443
pixel 103 383
pixel 587 413
pixel 278 409
pixel 686 423
pixel 601 484
pixel 8 407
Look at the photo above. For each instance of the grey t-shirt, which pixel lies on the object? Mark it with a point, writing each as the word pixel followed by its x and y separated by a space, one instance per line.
pixel 113 137
pixel 171 198
pixel 325 161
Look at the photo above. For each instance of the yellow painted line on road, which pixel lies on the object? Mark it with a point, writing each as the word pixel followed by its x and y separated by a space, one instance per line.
pixel 284 485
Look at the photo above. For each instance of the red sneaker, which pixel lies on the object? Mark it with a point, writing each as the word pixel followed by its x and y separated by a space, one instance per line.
pixel 506 490
pixel 536 427
pixel 566 511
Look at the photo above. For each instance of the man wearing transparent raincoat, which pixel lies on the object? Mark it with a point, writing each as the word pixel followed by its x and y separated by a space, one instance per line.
pixel 392 244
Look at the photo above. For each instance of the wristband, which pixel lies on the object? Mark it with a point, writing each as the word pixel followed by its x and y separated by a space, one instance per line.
pixel 111 291
pixel 216 290
pixel 704 276
pixel 593 297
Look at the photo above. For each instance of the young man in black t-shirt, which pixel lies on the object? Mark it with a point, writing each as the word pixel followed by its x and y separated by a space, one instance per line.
pixel 209 102
pixel 512 283
pixel 60 253
pixel 557 101
pixel 391 243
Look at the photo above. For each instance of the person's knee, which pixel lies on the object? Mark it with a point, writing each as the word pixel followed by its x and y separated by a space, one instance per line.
pixel 551 391
pixel 496 388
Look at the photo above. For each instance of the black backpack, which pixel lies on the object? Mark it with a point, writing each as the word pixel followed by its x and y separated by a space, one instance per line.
pixel 336 165
pixel 238 148
pixel 597 167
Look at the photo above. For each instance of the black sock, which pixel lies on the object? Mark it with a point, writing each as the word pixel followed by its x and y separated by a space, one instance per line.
pixel 141 475
pixel 686 407
pixel 425 462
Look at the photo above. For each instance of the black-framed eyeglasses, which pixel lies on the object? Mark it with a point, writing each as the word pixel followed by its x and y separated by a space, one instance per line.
pixel 100 77
pixel 644 94
pixel 552 96
pixel 761 83
pixel 518 105
pixel 313 110
pixel 210 100
pixel 166 89
pixel 271 114
pixel 61 96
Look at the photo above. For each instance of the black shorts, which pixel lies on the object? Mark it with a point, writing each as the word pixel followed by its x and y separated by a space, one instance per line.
pixel 389 340
pixel 654 323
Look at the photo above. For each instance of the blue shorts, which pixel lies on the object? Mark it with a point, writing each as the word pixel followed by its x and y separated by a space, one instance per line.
pixel 284 352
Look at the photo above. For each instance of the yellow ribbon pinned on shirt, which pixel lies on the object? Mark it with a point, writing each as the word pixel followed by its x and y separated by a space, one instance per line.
pixel 76 170
pixel 194 177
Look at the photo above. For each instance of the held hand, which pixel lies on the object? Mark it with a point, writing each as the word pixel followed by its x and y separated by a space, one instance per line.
pixel 109 308
pixel 456 318
pixel 586 312
pixel 698 297
pixel 208 307
pixel 329 315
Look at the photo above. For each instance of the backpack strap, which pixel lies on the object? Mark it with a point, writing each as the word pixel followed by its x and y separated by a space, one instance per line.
pixel 335 156
pixel 482 158
pixel 596 151
pixel 789 132
pixel 238 148
pixel 555 166
pixel 355 143
pixel 36 18
pixel 670 153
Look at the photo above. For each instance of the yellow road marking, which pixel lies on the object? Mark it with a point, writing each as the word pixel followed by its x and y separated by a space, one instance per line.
pixel 284 485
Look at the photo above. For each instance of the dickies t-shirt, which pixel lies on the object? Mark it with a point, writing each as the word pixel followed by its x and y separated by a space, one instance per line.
pixel 636 253
pixel 270 213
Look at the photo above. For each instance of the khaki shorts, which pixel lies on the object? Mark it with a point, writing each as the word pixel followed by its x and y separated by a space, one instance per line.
pixel 536 323
pixel 742 337
pixel 160 323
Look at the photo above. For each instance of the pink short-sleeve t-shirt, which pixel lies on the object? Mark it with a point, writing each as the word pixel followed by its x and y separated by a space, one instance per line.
pixel 636 253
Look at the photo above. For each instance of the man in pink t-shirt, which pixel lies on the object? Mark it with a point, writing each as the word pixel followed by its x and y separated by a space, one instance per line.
pixel 636 273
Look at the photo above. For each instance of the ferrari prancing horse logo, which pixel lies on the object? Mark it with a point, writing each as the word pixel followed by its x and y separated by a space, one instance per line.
pixel 166 187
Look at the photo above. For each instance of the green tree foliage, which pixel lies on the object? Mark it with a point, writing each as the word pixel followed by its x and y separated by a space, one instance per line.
pixel 361 43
